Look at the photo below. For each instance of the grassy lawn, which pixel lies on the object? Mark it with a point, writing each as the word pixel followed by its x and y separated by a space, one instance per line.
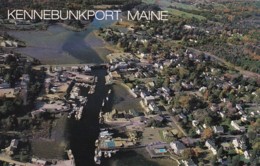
pixel 184 14
pixel 168 140
pixel 226 125
pixel 48 149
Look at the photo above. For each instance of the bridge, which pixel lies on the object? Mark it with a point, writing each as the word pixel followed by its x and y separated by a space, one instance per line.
pixel 91 65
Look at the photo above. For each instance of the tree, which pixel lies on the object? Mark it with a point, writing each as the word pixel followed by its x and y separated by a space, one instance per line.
pixel 220 152
pixel 229 160
pixel 213 161
pixel 251 136
pixel 207 133
pixel 186 154
pixel 208 120
pixel 235 160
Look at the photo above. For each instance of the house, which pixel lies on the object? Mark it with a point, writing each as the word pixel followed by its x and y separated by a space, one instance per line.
pixel 177 147
pixel 239 107
pixel 205 126
pixel 149 99
pixel 26 78
pixel 188 141
pixel 39 162
pixel 153 107
pixel 226 146
pixel 188 162
pixel 222 114
pixel 158 118
pixel 87 69
pixel 247 155
pixel 121 65
pixel 174 132
pixel 167 134
pixel 143 94
pixel 236 126
pixel 188 27
pixel 13 146
pixel 138 75
pixel 239 143
pixel 203 89
pixel 244 118
pixel 198 131
pixel 211 146
pixel 186 86
pixel 218 129
pixel 5 85
pixel 182 116
pixel 195 123
pixel 166 89
pixel 8 43
pixel 115 75
pixel 9 93
pixel 214 107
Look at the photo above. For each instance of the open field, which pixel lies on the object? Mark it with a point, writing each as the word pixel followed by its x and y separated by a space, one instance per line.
pixel 54 145
pixel 123 100
pixel 182 14
pixel 138 157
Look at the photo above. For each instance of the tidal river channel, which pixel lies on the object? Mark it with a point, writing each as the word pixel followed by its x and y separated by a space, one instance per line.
pixel 58 45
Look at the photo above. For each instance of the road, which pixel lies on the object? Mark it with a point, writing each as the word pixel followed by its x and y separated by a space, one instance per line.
pixel 178 126
pixel 9 160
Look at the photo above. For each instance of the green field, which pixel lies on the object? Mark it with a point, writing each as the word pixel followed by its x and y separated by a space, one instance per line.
pixel 184 14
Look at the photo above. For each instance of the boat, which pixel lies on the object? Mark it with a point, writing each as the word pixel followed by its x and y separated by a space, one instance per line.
pixel 109 154
pixel 109 91
pixel 97 160
pixel 100 114
pixel 104 134
pixel 70 154
pixel 103 103
pixel 107 98
pixel 103 129
pixel 100 153
pixel 105 154
pixel 96 142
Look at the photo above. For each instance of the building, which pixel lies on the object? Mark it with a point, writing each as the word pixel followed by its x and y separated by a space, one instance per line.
pixel 239 143
pixel 4 85
pixel 177 147
pixel 236 126
pixel 39 162
pixel 115 75
pixel 188 162
pixel 211 146
pixel 13 146
pixel 149 99
pixel 218 129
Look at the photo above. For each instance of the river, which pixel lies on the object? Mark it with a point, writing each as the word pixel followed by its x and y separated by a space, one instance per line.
pixel 58 45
